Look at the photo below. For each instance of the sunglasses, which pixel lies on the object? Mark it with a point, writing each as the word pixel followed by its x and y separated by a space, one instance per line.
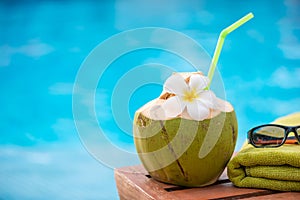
pixel 273 135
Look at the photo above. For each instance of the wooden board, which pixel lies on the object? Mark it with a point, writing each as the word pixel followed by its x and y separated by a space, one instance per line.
pixel 134 183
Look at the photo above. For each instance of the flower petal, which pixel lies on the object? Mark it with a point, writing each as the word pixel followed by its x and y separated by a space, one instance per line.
pixel 197 110
pixel 198 82
pixel 173 106
pixel 208 98
pixel 176 84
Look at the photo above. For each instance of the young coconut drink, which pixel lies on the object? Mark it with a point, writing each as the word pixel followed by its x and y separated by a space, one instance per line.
pixel 170 130
pixel 187 135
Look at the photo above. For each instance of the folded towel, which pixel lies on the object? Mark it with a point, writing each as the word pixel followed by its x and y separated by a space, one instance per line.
pixel 268 168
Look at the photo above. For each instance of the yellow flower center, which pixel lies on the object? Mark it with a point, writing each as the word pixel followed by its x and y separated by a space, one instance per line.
pixel 189 96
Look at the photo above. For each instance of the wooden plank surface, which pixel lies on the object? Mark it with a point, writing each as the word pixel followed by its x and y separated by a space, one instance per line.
pixel 134 183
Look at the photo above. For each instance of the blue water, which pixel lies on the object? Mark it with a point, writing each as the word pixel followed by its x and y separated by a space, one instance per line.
pixel 44 43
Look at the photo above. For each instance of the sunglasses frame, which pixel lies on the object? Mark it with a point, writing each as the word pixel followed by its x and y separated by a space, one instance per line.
pixel 287 131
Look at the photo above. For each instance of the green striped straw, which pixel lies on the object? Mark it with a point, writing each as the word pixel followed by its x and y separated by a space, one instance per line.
pixel 220 43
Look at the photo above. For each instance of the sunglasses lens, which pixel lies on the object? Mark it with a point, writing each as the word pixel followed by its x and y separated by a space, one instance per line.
pixel 268 136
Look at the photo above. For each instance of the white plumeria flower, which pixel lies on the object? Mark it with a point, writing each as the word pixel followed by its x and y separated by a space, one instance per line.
pixel 192 96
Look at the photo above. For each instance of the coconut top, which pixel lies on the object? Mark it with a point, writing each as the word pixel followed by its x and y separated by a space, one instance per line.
pixel 153 110
pixel 185 95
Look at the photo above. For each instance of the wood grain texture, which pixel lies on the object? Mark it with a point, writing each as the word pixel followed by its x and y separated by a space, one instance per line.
pixel 134 183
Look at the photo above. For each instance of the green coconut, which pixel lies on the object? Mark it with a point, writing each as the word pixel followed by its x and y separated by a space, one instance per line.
pixel 183 151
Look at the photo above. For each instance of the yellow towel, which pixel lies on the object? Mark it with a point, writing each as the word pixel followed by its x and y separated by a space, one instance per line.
pixel 268 168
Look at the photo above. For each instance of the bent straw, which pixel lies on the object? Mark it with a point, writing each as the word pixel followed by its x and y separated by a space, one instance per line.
pixel 220 42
